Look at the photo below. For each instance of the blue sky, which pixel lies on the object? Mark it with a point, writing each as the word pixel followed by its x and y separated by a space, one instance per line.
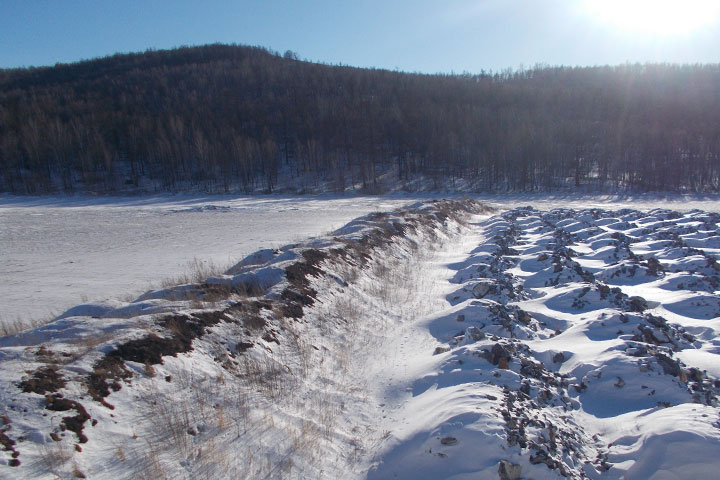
pixel 409 35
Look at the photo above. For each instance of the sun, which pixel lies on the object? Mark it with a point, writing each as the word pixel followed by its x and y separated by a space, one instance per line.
pixel 656 17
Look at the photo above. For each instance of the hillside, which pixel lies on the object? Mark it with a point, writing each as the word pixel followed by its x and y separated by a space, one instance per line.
pixel 224 118
pixel 440 340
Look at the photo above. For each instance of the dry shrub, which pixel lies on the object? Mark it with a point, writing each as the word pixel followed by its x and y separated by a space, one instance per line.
pixel 196 271
pixel 10 327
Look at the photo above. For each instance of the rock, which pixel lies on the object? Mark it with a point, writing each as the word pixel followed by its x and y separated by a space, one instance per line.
pixel 525 388
pixel 558 357
pixel 654 266
pixel 544 396
pixel 695 375
pixel 460 318
pixel 474 334
pixel 439 350
pixel 449 441
pixel 499 353
pixel 669 366
pixel 657 321
pixel 482 288
pixel 523 316
pixel 509 471
pixel 541 456
pixel 638 304
pixel 532 369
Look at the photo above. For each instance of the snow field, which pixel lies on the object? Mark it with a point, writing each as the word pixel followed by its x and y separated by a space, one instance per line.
pixel 280 385
pixel 56 252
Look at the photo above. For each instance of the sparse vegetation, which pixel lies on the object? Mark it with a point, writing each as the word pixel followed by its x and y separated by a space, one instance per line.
pixel 14 326
pixel 249 394
pixel 196 272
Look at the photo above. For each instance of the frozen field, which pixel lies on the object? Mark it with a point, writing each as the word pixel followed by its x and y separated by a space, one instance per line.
pixel 56 252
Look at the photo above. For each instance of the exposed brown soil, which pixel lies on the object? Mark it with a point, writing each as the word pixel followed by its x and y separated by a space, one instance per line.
pixel 74 423
pixel 181 330
pixel 44 380
pixel 149 350
pixel 300 293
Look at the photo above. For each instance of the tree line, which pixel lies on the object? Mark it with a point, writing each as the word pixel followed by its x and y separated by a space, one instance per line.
pixel 236 118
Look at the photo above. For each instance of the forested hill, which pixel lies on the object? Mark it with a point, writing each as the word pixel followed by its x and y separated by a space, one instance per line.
pixel 233 118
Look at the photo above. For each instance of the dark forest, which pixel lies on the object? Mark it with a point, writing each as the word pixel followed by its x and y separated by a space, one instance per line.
pixel 223 118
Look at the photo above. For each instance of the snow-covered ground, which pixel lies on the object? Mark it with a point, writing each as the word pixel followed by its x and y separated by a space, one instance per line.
pixel 439 341
pixel 267 371
pixel 577 343
pixel 58 251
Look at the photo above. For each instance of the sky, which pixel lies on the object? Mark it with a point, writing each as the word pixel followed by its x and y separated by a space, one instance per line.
pixel 427 36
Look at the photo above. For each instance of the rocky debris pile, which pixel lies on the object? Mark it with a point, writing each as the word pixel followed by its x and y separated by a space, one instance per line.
pixel 544 276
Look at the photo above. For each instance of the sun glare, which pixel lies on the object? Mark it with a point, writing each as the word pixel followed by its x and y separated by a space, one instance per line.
pixel 656 17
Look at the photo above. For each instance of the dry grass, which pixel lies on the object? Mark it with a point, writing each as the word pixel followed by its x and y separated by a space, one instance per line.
pixel 54 456
pixel 203 285
pixel 17 325
pixel 150 467
pixel 317 370
pixel 196 271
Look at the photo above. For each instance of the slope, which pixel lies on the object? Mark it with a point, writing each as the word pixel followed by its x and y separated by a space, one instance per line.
pixel 261 372
pixel 228 118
